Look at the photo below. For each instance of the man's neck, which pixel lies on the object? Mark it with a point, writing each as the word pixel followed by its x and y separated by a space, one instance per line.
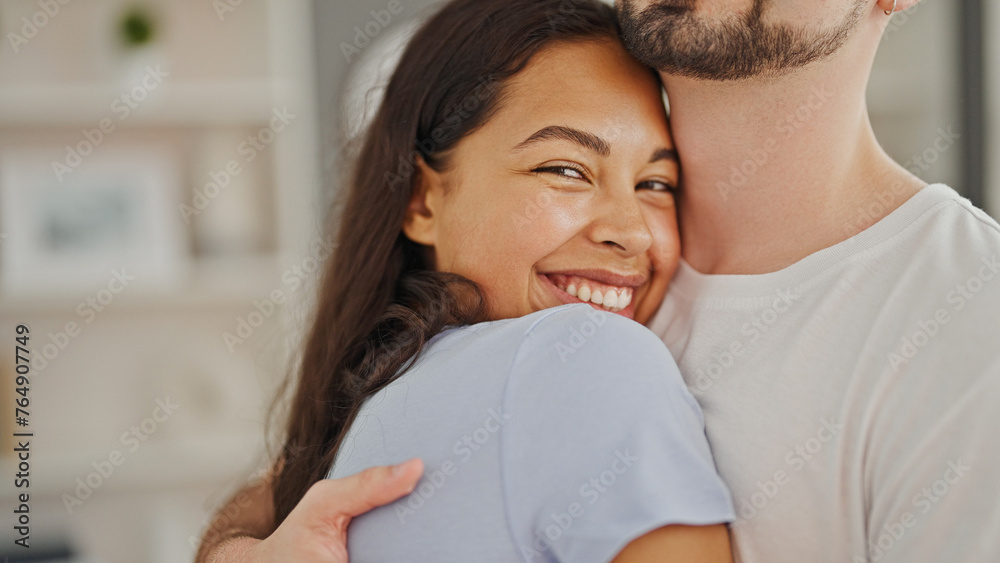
pixel 776 169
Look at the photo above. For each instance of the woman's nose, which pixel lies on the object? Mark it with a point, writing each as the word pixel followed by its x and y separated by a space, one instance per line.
pixel 619 223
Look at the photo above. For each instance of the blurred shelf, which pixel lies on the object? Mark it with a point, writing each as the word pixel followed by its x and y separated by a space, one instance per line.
pixel 264 57
pixel 169 104
pixel 210 284
pixel 197 460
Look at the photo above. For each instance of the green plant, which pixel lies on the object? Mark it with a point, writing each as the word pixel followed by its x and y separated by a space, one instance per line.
pixel 137 27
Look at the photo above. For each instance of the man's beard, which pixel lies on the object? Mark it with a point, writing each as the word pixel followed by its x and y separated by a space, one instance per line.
pixel 670 37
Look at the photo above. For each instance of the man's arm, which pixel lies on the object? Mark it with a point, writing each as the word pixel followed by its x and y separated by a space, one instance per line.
pixel 240 524
pixel 934 475
pixel 680 544
pixel 316 530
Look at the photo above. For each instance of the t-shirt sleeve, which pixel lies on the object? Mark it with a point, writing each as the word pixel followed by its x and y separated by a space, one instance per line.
pixel 934 468
pixel 603 442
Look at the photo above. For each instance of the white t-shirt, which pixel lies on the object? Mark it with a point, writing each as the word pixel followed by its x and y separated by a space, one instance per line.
pixel 852 400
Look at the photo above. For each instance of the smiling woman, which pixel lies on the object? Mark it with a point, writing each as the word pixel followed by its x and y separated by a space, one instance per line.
pixel 607 228
pixel 506 353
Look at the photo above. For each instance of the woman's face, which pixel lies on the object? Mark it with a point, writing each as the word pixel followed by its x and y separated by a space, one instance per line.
pixel 565 194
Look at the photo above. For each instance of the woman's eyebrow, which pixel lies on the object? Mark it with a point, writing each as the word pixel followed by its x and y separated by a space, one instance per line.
pixel 582 138
pixel 665 154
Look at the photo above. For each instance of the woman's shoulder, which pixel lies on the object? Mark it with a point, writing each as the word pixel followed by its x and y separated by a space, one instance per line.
pixel 593 396
pixel 586 321
pixel 550 323
pixel 579 335
pixel 580 354
pixel 575 340
pixel 569 328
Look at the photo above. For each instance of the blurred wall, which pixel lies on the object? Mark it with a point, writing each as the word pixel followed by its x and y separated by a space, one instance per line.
pixel 157 231
pixel 914 93
pixel 339 23
pixel 992 26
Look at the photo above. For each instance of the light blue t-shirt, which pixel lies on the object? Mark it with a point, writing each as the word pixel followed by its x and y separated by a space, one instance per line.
pixel 559 436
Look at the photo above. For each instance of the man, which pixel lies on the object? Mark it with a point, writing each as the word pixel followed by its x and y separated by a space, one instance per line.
pixel 847 374
pixel 833 315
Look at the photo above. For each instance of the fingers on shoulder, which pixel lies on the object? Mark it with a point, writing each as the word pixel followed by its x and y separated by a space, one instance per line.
pixel 368 489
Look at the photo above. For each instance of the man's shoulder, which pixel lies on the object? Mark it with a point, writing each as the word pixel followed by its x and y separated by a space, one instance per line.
pixel 955 220
pixel 936 241
pixel 959 247
pixel 940 292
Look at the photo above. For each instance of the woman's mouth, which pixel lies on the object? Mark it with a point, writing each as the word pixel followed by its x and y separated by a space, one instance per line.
pixel 612 297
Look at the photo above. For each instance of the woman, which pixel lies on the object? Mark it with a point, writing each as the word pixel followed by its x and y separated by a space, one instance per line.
pixel 511 211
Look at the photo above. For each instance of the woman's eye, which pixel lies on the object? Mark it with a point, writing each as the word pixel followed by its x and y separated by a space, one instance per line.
pixel 656 186
pixel 564 171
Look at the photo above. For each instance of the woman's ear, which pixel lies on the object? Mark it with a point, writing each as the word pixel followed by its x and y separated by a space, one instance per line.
pixel 420 224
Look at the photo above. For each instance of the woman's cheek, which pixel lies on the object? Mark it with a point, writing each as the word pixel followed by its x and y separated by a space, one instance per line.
pixel 665 251
pixel 664 255
pixel 568 215
pixel 543 221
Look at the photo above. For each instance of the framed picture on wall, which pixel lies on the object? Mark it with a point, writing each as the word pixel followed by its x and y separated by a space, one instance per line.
pixel 69 233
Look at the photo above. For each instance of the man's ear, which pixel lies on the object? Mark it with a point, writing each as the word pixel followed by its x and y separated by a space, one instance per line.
pixel 420 224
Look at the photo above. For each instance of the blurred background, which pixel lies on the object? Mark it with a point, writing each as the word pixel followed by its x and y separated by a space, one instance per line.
pixel 165 169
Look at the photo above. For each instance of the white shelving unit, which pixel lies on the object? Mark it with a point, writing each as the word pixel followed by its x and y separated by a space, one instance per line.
pixel 227 77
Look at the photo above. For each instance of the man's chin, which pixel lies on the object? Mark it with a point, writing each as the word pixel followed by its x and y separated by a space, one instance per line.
pixel 669 36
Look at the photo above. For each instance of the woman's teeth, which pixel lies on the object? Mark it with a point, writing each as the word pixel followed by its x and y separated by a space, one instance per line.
pixel 611 298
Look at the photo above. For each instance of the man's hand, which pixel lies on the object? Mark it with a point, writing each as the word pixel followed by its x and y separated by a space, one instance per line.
pixel 316 529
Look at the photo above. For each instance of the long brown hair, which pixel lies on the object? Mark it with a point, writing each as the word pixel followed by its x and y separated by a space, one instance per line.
pixel 380 300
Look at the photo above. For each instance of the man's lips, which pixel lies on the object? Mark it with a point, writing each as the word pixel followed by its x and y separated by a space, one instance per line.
pixel 600 289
